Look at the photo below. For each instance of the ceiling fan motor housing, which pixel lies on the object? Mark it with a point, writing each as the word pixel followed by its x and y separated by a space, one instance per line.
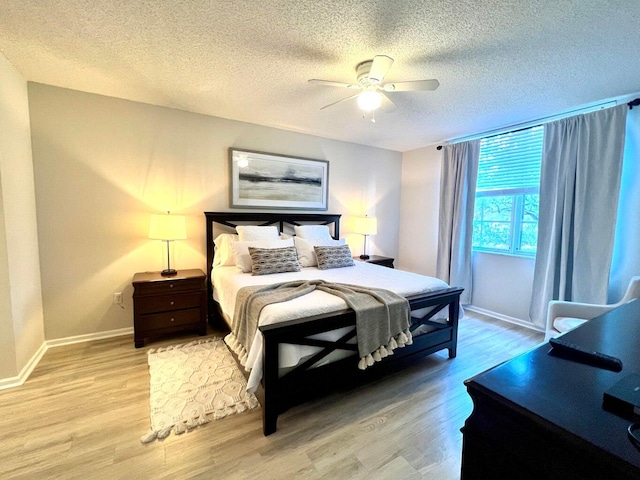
pixel 362 70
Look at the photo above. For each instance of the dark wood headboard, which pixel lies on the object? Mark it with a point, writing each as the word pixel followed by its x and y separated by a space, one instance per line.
pixel 282 220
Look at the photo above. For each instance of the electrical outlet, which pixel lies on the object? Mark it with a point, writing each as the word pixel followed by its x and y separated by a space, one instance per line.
pixel 117 298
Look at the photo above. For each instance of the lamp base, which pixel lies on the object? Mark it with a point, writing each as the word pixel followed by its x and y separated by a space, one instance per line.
pixel 364 257
pixel 168 272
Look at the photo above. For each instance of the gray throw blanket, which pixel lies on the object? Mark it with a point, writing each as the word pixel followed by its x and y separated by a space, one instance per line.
pixel 382 317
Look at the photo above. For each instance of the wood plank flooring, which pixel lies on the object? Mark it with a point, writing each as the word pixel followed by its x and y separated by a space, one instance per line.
pixel 84 408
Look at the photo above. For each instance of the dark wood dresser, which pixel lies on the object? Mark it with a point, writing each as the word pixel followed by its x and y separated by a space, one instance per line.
pixel 170 304
pixel 539 416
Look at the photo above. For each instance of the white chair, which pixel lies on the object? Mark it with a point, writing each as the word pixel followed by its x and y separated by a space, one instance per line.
pixel 563 316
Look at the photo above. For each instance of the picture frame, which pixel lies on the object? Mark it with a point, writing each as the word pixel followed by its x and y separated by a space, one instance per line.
pixel 273 181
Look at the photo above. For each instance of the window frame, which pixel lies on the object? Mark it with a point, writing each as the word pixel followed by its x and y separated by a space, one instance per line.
pixel 517 212
pixel 517 194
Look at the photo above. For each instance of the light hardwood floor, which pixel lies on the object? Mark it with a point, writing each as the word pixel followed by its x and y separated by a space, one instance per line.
pixel 85 406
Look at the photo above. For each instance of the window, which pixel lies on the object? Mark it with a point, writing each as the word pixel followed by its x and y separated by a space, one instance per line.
pixel 506 212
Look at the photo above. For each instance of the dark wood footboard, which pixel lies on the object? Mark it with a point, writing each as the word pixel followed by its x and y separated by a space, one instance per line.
pixel 278 393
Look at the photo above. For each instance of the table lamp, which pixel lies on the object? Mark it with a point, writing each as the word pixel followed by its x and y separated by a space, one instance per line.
pixel 365 226
pixel 168 228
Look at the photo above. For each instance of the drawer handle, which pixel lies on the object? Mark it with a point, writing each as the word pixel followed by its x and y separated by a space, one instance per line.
pixel 172 319
pixel 171 285
pixel 172 303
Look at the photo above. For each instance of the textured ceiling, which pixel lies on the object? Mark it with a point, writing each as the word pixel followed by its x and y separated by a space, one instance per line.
pixel 498 62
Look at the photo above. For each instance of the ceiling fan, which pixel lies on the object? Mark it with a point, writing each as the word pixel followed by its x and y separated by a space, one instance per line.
pixel 372 92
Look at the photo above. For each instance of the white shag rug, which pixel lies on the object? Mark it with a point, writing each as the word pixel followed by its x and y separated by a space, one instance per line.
pixel 193 383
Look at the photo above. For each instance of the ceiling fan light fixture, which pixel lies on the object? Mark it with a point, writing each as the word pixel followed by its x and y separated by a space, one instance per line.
pixel 369 100
pixel 371 75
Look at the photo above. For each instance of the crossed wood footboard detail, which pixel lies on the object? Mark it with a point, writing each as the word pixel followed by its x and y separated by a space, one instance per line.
pixel 279 392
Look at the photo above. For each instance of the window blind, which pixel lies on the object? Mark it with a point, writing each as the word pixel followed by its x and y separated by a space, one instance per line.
pixel 510 161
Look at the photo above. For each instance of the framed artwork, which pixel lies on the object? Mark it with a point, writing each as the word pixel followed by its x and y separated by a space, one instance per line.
pixel 267 180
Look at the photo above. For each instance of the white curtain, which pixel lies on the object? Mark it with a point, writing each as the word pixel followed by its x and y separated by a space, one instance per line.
pixel 579 188
pixel 455 222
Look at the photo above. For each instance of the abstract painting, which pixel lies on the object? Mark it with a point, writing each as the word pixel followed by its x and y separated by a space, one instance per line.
pixel 266 180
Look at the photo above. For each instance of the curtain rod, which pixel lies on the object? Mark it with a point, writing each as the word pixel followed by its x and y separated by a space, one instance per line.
pixel 540 121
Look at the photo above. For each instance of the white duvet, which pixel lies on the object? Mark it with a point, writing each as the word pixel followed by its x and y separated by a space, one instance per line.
pixel 227 280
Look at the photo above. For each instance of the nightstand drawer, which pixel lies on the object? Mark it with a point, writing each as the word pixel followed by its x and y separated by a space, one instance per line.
pixel 158 321
pixel 169 286
pixel 165 303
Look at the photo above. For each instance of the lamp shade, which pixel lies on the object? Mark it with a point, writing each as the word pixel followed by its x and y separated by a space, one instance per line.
pixel 168 227
pixel 366 225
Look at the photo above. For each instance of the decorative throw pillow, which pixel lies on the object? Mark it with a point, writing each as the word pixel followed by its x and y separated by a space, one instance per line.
pixel 265 261
pixel 334 257
pixel 306 253
pixel 313 231
pixel 248 233
pixel 241 250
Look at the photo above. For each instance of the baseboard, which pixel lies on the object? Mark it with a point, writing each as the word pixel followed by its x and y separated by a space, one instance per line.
pixel 504 318
pixel 26 370
pixel 58 342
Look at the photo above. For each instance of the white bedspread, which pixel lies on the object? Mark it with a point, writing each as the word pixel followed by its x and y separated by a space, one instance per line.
pixel 229 279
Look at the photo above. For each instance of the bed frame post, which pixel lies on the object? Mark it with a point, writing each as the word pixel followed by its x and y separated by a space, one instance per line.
pixel 270 407
pixel 454 312
pixel 210 302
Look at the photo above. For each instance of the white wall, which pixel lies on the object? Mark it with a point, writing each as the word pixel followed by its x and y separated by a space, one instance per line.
pixel 21 318
pixel 8 364
pixel 419 210
pixel 501 284
pixel 102 165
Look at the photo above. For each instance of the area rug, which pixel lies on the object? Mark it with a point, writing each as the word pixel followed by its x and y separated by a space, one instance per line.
pixel 192 384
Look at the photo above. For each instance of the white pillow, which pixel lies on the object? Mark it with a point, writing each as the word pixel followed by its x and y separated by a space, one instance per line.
pixel 306 253
pixel 248 233
pixel 241 250
pixel 222 254
pixel 313 231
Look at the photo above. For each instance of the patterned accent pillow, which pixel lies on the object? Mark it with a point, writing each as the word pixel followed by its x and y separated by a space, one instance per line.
pixel 241 250
pixel 306 253
pixel 334 257
pixel 265 261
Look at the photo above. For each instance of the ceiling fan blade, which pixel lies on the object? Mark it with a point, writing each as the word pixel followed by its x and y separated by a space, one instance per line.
pixel 414 86
pixel 387 105
pixel 340 101
pixel 379 67
pixel 329 83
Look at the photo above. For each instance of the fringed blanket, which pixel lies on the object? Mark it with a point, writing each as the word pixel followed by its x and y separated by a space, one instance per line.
pixel 382 317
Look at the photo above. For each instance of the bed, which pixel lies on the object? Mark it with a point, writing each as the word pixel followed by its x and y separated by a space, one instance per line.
pixel 322 341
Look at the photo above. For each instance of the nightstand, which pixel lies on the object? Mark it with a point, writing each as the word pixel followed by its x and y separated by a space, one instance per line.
pixel 378 260
pixel 161 305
